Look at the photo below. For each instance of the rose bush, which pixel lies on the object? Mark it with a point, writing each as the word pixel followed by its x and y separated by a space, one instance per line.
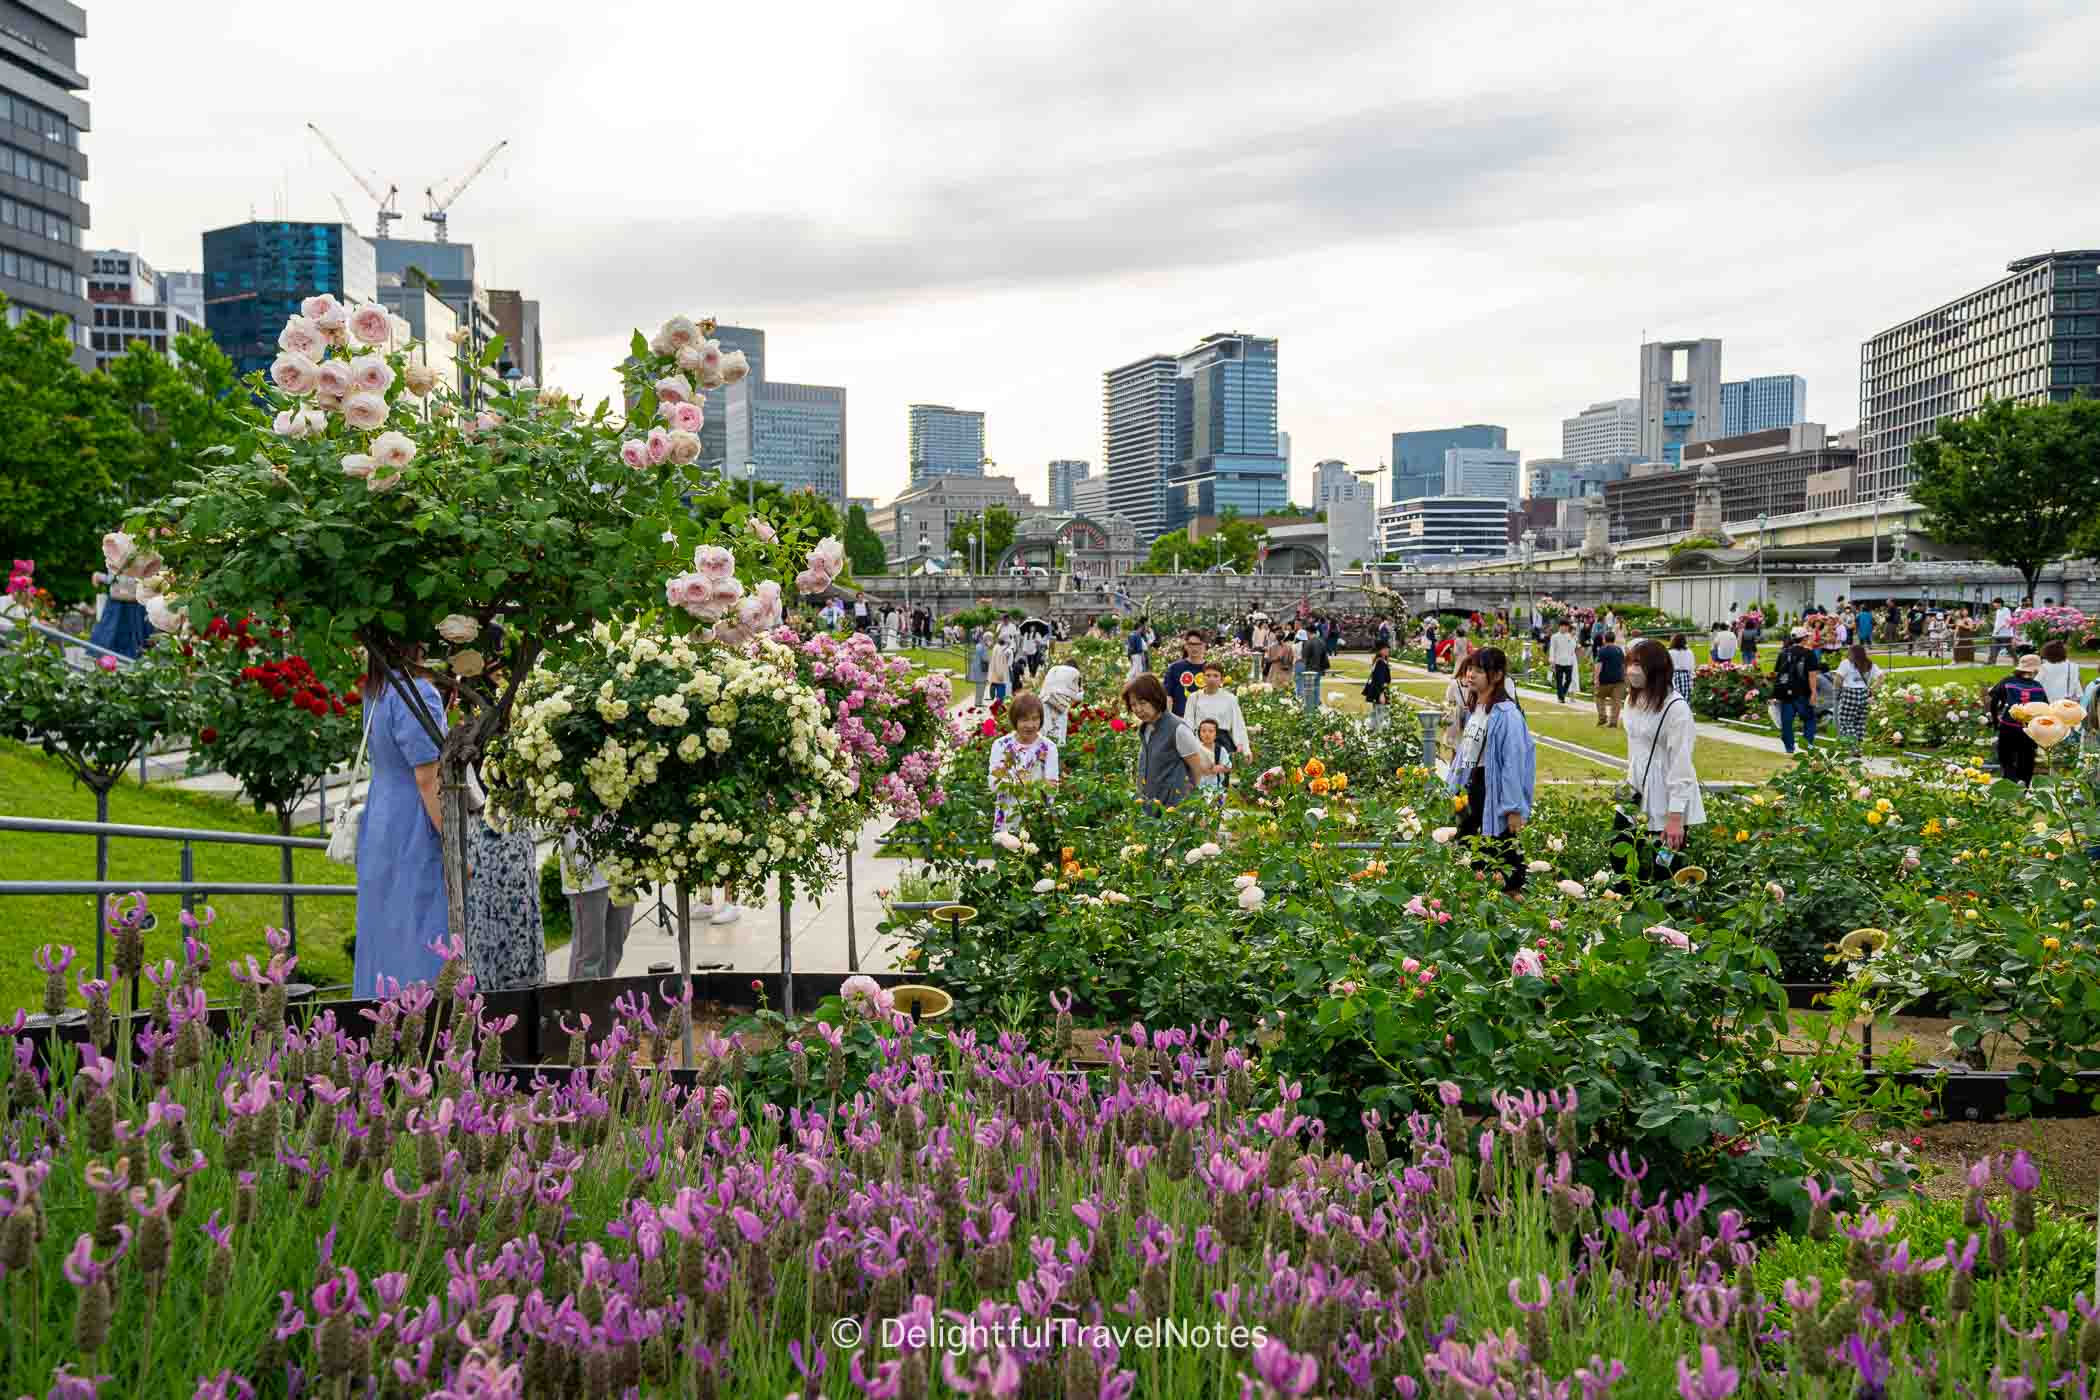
pixel 1730 690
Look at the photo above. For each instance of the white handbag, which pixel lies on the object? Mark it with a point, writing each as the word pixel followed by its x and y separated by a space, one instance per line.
pixel 350 819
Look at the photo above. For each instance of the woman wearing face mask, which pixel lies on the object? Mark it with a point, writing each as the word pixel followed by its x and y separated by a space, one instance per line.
pixel 1496 765
pixel 1660 732
pixel 1458 707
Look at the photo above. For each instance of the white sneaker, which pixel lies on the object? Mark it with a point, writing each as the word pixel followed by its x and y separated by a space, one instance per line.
pixel 727 914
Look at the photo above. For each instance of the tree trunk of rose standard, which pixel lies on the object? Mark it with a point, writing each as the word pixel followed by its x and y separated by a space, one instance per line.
pixel 485 712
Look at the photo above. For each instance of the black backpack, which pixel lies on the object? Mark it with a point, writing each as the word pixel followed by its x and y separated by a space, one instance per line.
pixel 1790 674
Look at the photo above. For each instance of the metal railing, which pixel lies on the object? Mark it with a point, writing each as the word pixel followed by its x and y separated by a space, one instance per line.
pixel 186 884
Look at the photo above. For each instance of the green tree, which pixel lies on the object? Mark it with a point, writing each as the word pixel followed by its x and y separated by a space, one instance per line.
pixel 66 445
pixel 1236 542
pixel 181 409
pixel 998 524
pixel 2018 484
pixel 864 548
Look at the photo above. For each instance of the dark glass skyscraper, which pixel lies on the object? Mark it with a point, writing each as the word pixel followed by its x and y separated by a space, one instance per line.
pixel 1418 457
pixel 256 274
pixel 793 434
pixel 945 441
pixel 714 432
pixel 43 217
pixel 1226 424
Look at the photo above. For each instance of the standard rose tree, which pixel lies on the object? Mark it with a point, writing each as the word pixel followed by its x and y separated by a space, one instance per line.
pixel 464 531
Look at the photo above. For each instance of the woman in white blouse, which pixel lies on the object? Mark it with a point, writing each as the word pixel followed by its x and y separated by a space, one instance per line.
pixel 1682 664
pixel 1857 676
pixel 2059 673
pixel 1660 732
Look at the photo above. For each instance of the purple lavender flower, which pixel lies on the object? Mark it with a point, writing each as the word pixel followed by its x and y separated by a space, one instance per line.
pixel 1712 1381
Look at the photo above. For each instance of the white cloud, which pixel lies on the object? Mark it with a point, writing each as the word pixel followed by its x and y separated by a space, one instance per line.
pixel 1448 213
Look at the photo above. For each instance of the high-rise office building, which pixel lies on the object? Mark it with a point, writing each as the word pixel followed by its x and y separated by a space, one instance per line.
pixel 431 322
pixel 1557 479
pixel 1680 396
pixel 714 403
pixel 1602 432
pixel 1480 472
pixel 1351 505
pixel 517 320
pixel 1418 457
pixel 1762 404
pixel 1225 416
pixel 1140 440
pixel 2032 336
pixel 1090 497
pixel 124 295
pixel 257 273
pixel 449 269
pixel 1063 474
pixel 43 213
pixel 792 434
pixel 1444 529
pixel 944 441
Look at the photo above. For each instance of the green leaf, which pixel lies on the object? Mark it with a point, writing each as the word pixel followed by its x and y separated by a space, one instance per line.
pixel 639 346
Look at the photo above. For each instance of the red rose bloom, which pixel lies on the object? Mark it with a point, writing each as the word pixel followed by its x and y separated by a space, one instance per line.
pixel 208 735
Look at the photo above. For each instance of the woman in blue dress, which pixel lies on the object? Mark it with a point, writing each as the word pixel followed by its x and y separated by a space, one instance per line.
pixel 400 872
pixel 122 628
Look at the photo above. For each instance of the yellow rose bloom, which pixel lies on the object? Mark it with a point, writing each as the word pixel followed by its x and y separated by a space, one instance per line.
pixel 2050 945
pixel 1875 819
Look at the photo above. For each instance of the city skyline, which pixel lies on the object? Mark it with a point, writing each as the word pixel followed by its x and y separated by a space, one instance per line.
pixel 1501 204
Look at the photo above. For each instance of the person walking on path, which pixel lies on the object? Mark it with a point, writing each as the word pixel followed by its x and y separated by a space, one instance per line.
pixel 1170 757
pixel 599 937
pixel 1561 654
pixel 1278 665
pixel 980 669
pixel 1429 644
pixel 1214 701
pixel 1376 688
pixel 1134 648
pixel 1611 680
pixel 1794 689
pixel 1456 711
pixel 1866 626
pixel 2015 750
pixel 1312 661
pixel 401 905
pixel 1660 736
pixel 1857 677
pixel 1721 649
pixel 1063 687
pixel 1682 664
pixel 2001 632
pixel 999 667
pixel 1496 766
pixel 1023 756
pixel 122 626
pixel 1183 676
pixel 2059 674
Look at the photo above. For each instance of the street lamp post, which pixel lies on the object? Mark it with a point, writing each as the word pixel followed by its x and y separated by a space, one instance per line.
pixel 1762 519
pixel 1530 542
pixel 903 537
pixel 751 485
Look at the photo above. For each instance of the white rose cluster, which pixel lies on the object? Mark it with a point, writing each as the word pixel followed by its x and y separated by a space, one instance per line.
pixel 651 749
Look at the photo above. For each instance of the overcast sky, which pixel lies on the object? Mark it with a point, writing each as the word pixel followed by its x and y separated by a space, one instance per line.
pixel 1448 213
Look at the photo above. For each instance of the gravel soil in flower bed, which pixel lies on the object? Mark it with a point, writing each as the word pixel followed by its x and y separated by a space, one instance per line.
pixel 2067 1148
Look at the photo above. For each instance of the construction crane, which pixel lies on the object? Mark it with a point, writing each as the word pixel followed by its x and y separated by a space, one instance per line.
pixel 348 218
pixel 386 202
pixel 439 203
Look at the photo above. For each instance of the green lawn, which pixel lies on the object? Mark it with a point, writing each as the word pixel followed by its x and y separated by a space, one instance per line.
pixel 934 659
pixel 1717 760
pixel 34 786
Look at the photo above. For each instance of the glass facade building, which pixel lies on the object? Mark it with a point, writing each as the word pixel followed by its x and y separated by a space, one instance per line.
pixel 1225 426
pixel 1139 439
pixel 1063 475
pixel 257 273
pixel 945 441
pixel 43 212
pixel 2032 336
pixel 1761 404
pixel 714 403
pixel 793 434
pixel 1444 529
pixel 1418 457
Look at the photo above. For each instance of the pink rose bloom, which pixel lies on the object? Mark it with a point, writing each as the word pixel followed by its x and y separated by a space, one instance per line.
pixel 769 591
pixel 371 324
pixel 729 634
pixel 318 308
pixel 688 417
pixel 382 481
pixel 294 373
pixel 765 532
pixel 357 464
pixel 810 582
pixel 364 411
pixel 635 453
pixel 688 591
pixel 1527 964
pixel 674 388
pixel 752 615
pixel 685 447
pixel 394 449
pixel 714 563
pixel 117 548
pixel 301 337
pixel 333 378
pixel 829 557
pixel 659 443
pixel 1426 977
pixel 372 374
pixel 1670 936
pixel 488 419
pixel 724 594
pixel 1410 965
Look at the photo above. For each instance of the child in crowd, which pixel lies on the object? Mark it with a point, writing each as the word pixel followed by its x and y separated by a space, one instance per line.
pixel 1220 750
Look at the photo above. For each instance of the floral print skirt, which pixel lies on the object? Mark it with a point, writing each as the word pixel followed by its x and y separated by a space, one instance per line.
pixel 506 944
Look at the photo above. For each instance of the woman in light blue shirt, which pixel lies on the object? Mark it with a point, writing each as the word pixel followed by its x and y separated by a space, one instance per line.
pixel 1495 767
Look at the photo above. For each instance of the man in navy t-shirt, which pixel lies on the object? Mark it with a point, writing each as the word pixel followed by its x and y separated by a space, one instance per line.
pixel 1186 674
